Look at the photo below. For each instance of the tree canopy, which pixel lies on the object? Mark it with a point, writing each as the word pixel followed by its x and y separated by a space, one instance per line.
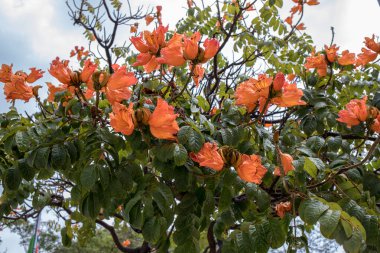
pixel 211 136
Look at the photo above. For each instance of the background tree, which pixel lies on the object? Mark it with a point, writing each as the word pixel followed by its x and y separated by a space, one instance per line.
pixel 228 128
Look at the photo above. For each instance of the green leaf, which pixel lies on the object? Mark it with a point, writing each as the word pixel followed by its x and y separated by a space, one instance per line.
pixel 312 165
pixel 22 141
pixel 164 152
pixel 26 171
pixel 315 143
pixel 89 176
pixel 12 178
pixel 152 230
pixel 196 141
pixel 277 233
pixel 66 239
pixel 180 154
pixel 58 156
pixel 329 222
pixel 190 138
pixel 42 158
pixel 353 244
pixel 311 210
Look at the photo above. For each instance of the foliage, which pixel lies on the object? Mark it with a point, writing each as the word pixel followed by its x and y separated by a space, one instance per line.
pixel 190 137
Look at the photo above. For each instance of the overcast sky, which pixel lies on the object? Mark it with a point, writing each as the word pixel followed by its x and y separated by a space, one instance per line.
pixel 33 32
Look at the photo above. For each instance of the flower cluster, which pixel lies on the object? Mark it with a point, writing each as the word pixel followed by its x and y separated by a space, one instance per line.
pixel 298 8
pixel 16 84
pixel 248 167
pixel 155 50
pixel 320 61
pixel 255 93
pixel 162 122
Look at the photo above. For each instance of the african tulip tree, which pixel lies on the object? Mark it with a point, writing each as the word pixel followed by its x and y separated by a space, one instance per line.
pixel 189 136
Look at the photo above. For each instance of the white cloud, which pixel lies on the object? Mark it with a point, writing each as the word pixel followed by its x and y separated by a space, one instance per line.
pixel 37 22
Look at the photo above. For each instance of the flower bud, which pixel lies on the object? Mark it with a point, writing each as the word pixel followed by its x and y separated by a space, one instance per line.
pixel 35 90
pixel 372 112
pixel 141 116
pixel 230 156
pixel 75 79
pixel 100 79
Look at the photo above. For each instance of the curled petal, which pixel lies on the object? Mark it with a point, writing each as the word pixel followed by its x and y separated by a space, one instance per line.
pixel 34 75
pixel 60 70
pixel 139 44
pixel 211 48
pixel 5 73
pixel 347 58
pixel 88 69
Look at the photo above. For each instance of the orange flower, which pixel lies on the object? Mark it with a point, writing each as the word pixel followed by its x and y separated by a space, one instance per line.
pixel 121 118
pixel 191 46
pixel 278 81
pixel 301 27
pixel 291 77
pixel 149 19
pixel 198 74
pixel 317 62
pixel 79 52
pixel 5 73
pixel 291 96
pixel 88 69
pixel 162 122
pixel 53 89
pixel 249 92
pixel 211 48
pixel 60 71
pixel 286 163
pixel 213 111
pixel 289 20
pixel 347 58
pixel 376 124
pixel 133 29
pixel 190 3
pixel 34 75
pixel 250 169
pixel 126 243
pixel 365 57
pixel 371 44
pixel 297 8
pixel 282 208
pixel 140 44
pixel 158 14
pixel 356 112
pixel 312 2
pixel 331 52
pixel 149 47
pixel 208 156
pixel 172 55
pixel 117 88
pixel 17 88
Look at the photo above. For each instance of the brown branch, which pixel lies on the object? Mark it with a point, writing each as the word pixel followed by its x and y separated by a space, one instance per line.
pixel 144 248
pixel 210 237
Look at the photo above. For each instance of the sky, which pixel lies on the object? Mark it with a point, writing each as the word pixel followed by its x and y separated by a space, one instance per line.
pixel 34 32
